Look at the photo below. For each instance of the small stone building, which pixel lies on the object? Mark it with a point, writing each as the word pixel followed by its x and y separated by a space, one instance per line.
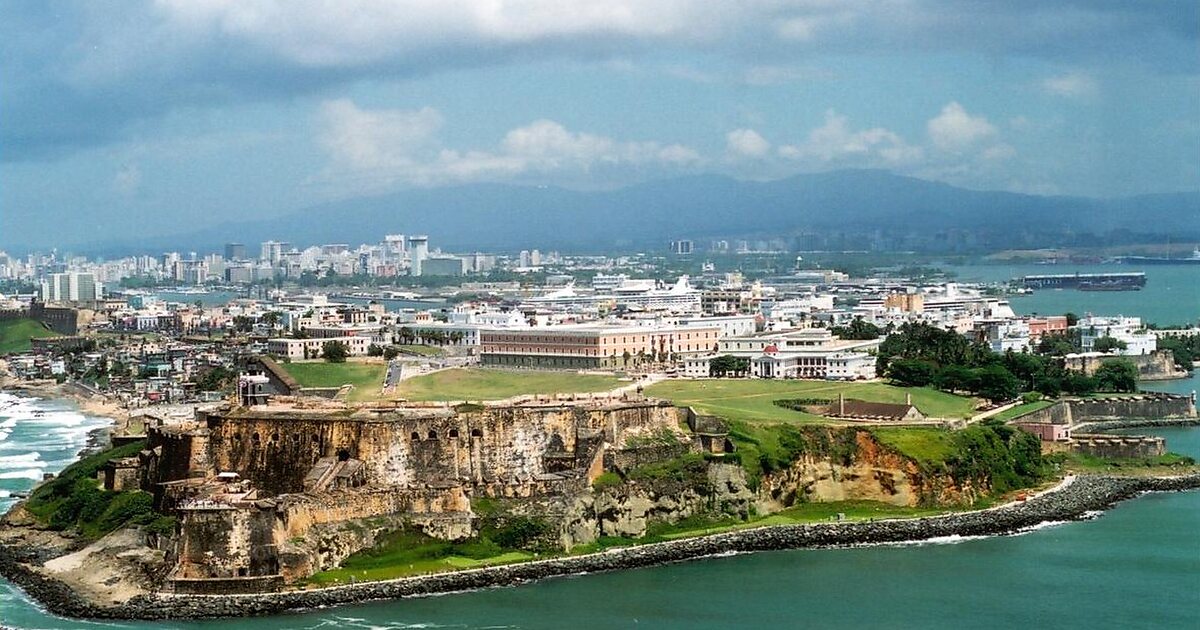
pixel 853 409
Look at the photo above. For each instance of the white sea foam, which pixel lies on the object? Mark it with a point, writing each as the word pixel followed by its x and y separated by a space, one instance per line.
pixel 17 461
pixel 33 474
pixel 952 539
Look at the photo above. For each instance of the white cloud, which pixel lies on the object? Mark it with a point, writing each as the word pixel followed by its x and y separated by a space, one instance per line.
pixel 746 143
pixel 384 147
pixel 955 130
pixel 1071 85
pixel 380 138
pixel 835 143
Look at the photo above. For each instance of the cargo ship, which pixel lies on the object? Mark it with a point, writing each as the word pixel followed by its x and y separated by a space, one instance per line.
pixel 1130 281
pixel 1194 259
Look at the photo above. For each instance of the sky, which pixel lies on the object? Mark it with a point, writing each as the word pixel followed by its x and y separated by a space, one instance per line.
pixel 156 117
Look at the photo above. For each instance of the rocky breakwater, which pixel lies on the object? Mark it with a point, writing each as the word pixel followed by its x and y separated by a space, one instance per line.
pixel 1073 499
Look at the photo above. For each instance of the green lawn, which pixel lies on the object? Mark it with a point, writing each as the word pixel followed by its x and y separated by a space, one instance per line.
pixel 1020 410
pixel 402 554
pixel 495 384
pixel 928 446
pixel 15 334
pixel 753 400
pixel 425 351
pixel 367 378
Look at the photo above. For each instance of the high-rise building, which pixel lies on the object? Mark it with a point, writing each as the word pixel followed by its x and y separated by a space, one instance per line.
pixel 393 247
pixel 681 247
pixel 418 251
pixel 271 252
pixel 71 287
pixel 235 251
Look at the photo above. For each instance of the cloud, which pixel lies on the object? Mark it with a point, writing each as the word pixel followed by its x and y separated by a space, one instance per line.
pixel 383 147
pixel 82 74
pixel 373 139
pixel 834 143
pixel 1071 85
pixel 955 130
pixel 746 143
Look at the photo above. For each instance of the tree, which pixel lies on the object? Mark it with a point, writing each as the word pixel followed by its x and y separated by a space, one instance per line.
pixel 1108 344
pixel 1079 384
pixel 911 372
pixel 1057 344
pixel 374 350
pixel 956 378
pixel 214 379
pixel 1117 375
pixel 728 365
pixel 334 351
pixel 391 352
pixel 997 384
pixel 930 344
pixel 1072 318
pixel 858 329
pixel 1024 366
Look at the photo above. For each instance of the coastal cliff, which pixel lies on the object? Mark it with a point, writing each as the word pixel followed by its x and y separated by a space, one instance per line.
pixel 1075 499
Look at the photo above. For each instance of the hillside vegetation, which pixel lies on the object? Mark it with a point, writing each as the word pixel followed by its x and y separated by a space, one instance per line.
pixel 15 334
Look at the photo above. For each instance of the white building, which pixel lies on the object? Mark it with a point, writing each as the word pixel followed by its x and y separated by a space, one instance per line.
pixel 803 353
pixel 1128 330
pixel 311 348
pixel 71 287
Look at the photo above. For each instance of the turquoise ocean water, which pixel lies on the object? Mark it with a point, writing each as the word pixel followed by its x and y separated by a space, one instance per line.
pixel 1136 566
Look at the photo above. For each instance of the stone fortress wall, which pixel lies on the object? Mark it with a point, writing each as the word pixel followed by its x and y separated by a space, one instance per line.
pixel 254 486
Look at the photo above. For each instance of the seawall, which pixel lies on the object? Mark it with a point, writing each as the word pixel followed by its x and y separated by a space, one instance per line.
pixel 1073 501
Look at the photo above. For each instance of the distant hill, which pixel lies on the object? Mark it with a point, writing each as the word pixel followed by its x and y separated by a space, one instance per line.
pixel 500 217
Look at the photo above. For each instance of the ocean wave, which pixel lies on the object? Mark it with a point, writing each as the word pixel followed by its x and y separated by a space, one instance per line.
pixel 33 474
pixel 952 539
pixel 24 459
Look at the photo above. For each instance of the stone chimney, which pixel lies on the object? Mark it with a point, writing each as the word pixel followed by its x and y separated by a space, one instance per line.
pixel 908 398
pixel 842 404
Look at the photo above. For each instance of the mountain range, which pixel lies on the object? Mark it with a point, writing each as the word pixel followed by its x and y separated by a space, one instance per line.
pixel 501 217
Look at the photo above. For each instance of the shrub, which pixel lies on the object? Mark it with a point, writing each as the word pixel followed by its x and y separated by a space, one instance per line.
pixel 605 481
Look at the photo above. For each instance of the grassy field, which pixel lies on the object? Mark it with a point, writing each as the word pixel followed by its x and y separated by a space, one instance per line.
pixel 15 334
pixel 929 446
pixel 753 400
pixel 494 384
pixel 402 554
pixel 422 350
pixel 801 513
pixel 367 378
pixel 1020 410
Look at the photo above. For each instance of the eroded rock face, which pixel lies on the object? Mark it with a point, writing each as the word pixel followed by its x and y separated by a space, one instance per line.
pixel 629 509
pixel 871 473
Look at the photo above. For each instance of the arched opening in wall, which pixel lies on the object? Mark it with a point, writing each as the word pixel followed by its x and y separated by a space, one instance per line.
pixel 453 433
pixel 274 438
pixel 416 437
pixel 316 438
pixel 254 439
pixel 296 439
pixel 237 438
pixel 343 455
pixel 476 433
pixel 433 435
